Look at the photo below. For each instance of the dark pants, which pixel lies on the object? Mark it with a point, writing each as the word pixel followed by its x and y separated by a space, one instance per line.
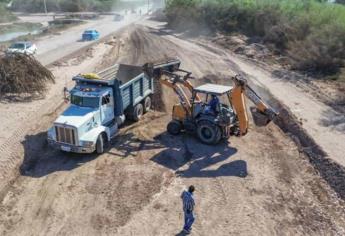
pixel 188 220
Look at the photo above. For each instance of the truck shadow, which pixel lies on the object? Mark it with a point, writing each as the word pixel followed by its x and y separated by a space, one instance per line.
pixel 41 160
pixel 178 152
pixel 183 154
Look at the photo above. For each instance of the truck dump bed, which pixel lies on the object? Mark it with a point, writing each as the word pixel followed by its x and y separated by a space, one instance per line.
pixel 121 72
pixel 129 83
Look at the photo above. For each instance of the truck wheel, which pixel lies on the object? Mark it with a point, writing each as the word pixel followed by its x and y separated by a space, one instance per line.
pixel 100 144
pixel 147 104
pixel 138 112
pixel 208 133
pixel 174 127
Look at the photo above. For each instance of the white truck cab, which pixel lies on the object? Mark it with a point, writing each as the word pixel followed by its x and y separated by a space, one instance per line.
pixel 90 114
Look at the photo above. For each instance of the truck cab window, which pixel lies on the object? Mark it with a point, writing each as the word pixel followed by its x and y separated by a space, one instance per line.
pixel 106 99
pixel 85 101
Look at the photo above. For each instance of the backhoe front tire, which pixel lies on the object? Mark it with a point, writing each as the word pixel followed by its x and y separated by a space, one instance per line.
pixel 100 144
pixel 174 127
pixel 208 133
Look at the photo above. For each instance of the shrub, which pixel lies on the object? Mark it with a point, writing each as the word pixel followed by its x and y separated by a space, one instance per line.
pixel 311 32
pixel 5 15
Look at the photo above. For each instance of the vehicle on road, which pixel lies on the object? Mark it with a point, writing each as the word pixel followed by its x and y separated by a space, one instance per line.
pixel 118 17
pixel 27 48
pixel 90 35
pixel 99 105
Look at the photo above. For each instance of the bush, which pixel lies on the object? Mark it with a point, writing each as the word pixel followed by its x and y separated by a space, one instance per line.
pixel 5 15
pixel 311 32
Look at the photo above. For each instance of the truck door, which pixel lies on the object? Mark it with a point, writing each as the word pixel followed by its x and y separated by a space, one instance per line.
pixel 107 108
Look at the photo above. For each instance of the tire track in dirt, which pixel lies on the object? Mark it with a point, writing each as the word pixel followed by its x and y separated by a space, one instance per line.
pixel 217 186
pixel 331 171
pixel 136 186
pixel 12 150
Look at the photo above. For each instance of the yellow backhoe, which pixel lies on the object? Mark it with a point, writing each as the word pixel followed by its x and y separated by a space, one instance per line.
pixel 193 113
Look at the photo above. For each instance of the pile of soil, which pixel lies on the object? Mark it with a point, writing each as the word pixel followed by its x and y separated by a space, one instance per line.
pixel 23 75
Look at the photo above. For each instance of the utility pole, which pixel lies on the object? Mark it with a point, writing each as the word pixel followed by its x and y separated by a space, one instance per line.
pixel 45 6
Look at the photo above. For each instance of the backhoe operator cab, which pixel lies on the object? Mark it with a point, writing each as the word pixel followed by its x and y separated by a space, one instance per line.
pixel 210 121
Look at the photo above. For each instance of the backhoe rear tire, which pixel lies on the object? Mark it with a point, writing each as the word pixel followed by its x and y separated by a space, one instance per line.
pixel 208 133
pixel 174 127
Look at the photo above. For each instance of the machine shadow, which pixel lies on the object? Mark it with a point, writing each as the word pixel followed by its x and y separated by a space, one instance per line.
pixel 200 158
pixel 41 160
pixel 175 152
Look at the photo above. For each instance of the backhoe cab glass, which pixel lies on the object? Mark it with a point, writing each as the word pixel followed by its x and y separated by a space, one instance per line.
pixel 206 98
pixel 85 101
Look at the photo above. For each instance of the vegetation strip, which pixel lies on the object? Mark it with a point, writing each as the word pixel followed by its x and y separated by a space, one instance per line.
pixel 311 33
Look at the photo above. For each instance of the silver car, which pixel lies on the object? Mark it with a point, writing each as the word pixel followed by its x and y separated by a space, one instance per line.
pixel 27 48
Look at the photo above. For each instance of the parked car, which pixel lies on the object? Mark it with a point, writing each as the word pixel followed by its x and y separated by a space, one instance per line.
pixel 27 48
pixel 118 17
pixel 89 35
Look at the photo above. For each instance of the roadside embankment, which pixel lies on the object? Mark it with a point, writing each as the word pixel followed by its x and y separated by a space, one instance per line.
pixel 310 33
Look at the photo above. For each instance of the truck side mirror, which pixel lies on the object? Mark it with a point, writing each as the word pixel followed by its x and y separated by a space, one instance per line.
pixel 66 95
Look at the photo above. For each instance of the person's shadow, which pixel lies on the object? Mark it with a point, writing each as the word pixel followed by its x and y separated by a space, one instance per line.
pixel 181 234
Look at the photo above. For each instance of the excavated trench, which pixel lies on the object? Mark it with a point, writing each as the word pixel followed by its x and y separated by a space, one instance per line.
pixel 332 172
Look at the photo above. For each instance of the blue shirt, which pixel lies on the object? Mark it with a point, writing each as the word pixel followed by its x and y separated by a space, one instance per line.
pixel 214 103
pixel 188 201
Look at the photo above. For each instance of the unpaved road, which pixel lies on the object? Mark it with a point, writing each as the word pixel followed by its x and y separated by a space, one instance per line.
pixel 260 184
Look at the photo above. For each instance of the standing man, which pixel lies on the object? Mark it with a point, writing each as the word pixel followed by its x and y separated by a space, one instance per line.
pixel 188 208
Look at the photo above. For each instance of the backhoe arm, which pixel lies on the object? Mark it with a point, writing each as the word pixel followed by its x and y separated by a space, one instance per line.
pixel 169 74
pixel 242 89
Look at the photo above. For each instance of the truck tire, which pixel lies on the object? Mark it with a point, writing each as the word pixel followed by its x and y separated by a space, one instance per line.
pixel 174 127
pixel 208 133
pixel 138 112
pixel 100 144
pixel 147 104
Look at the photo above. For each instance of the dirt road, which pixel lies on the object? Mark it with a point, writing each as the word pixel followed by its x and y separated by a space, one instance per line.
pixel 260 184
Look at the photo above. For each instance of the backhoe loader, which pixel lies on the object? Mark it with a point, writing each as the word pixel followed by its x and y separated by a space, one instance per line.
pixel 193 115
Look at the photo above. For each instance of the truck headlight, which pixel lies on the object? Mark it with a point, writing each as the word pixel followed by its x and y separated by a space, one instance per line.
pixel 86 143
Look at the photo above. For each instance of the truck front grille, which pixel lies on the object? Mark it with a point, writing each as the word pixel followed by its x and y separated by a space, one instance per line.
pixel 65 135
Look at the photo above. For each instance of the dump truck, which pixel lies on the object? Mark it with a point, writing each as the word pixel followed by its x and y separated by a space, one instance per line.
pixel 99 104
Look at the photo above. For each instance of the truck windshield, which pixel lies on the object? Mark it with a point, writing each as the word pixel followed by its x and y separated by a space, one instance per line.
pixel 85 101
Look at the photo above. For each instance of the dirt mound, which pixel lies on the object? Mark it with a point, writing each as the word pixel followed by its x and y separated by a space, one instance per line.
pixel 23 75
